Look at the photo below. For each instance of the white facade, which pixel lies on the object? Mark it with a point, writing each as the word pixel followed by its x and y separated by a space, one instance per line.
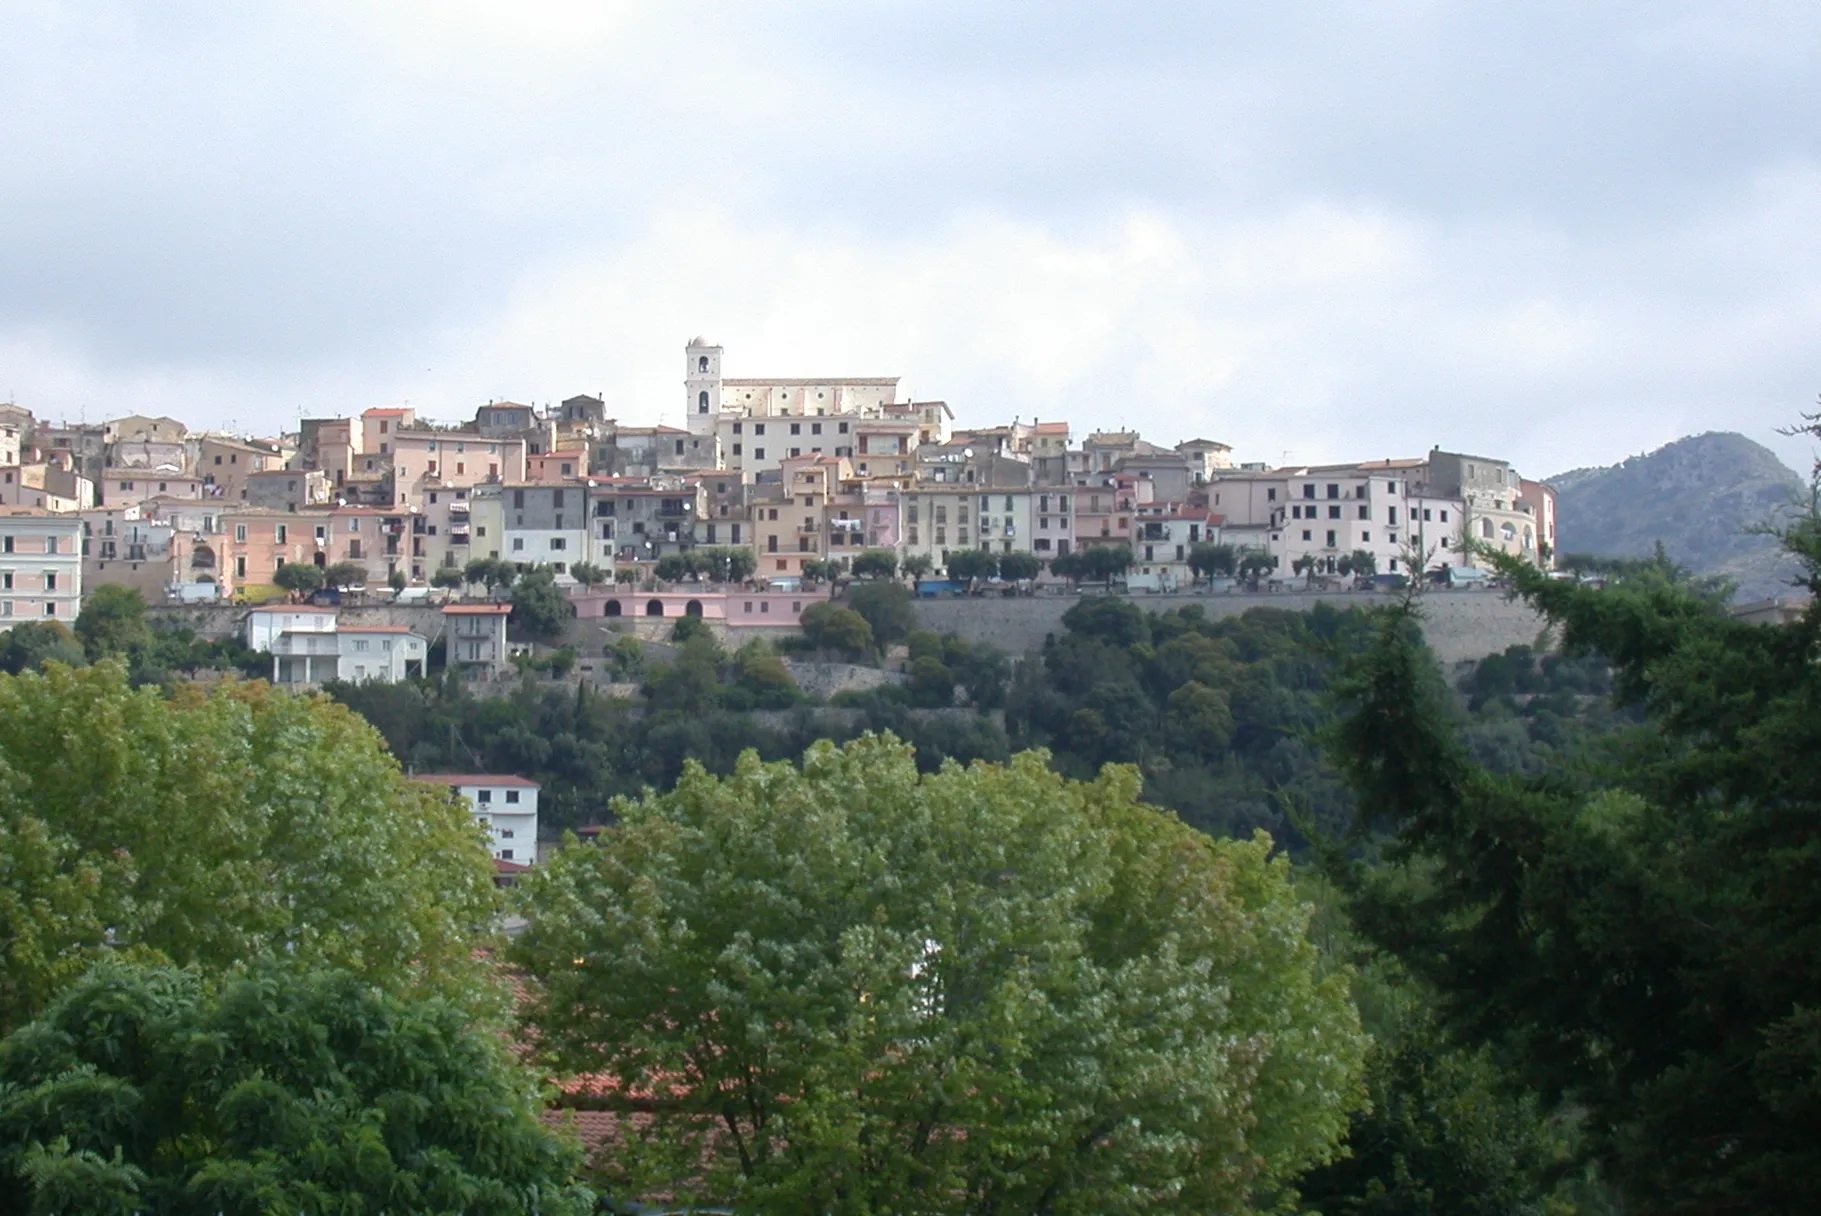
pixel 40 566
pixel 309 645
pixel 505 805
pixel 265 625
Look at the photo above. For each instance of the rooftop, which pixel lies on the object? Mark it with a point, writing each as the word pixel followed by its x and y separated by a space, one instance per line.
pixel 478 609
pixel 477 779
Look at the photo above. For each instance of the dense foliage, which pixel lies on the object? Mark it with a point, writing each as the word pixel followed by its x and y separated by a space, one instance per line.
pixel 851 987
pixel 1636 937
pixel 215 827
pixel 144 1089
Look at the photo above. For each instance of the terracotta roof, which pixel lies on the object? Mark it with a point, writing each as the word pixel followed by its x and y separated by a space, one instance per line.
pixel 478 609
pixel 385 410
pixel 477 779
pixel 1052 428
pixel 293 608
pixel 501 866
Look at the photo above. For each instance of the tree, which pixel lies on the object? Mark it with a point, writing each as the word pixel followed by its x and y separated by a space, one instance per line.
pixel 1071 566
pixel 141 1088
pixel 447 576
pixel 916 565
pixel 539 607
pixel 1018 567
pixel 1364 563
pixel 886 607
pixel 1637 934
pixel 587 574
pixel 675 567
pixel 112 621
pixel 220 826
pixel 490 571
pixel 818 571
pixel 728 565
pixel 29 644
pixel 1254 564
pixel 931 684
pixel 979 989
pixel 828 626
pixel 1208 560
pixel 688 627
pixel 876 563
pixel 1106 562
pixel 966 565
pixel 345 574
pixel 625 575
pixel 299 578
pixel 395 579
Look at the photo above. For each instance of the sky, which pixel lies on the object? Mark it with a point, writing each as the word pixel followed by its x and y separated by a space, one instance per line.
pixel 1562 233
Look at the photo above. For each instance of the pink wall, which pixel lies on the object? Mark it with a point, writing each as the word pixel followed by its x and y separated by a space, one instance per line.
pixel 736 607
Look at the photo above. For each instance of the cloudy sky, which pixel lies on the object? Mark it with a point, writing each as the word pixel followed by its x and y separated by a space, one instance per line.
pixel 1567 232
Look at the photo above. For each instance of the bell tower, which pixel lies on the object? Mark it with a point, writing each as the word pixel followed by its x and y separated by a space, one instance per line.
pixel 702 384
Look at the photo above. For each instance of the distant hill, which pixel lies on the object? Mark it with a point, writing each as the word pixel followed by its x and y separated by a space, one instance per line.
pixel 1698 496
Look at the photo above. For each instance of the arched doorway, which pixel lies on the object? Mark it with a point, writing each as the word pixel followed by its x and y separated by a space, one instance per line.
pixel 655 608
pixel 693 608
pixel 613 608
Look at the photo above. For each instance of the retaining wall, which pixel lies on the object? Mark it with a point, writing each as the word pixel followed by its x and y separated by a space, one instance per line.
pixel 1458 624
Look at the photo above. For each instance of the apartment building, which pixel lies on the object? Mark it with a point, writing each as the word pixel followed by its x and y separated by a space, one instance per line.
pixel 40 565
pixel 475 635
pixel 541 525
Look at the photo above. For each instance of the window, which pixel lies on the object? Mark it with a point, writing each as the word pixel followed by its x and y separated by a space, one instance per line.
pixel 758 428
pixel 279 533
pixel 505 854
pixel 1365 538
pixel 1333 512
pixel 796 428
pixel 6 580
pixel 1365 512
pixel 758 453
pixel 702 363
pixel 1391 515
pixel 518 544
pixel 511 795
pixel 1271 494
pixel 1307 535
pixel 518 499
pixel 736 449
pixel 50 609
pixel 1330 538
pixel 483 796
pixel 1333 490
pixel 1309 490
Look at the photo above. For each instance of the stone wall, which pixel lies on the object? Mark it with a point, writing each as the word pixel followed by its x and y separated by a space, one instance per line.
pixel 1458 624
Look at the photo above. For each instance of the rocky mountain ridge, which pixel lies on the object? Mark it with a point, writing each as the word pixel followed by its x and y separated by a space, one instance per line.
pixel 1700 496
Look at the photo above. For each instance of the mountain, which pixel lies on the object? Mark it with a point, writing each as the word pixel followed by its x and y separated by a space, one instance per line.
pixel 1698 496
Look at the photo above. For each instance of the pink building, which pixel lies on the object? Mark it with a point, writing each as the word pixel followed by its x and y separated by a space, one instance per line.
pixel 734 606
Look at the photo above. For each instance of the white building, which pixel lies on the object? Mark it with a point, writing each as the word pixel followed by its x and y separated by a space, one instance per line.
pixel 505 805
pixel 309 645
pixel 40 565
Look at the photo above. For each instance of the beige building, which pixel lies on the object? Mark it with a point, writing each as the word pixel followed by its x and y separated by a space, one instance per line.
pixel 40 565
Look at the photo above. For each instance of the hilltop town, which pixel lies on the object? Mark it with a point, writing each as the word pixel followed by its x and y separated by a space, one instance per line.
pixel 772 480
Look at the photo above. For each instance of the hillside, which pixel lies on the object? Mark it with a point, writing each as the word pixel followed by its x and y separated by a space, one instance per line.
pixel 1698 496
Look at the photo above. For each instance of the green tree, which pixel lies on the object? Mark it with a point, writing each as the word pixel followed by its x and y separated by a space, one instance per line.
pixel 539 607
pixel 219 826
pixel 447 576
pixel 763 675
pixel 395 579
pixel 886 607
pixel 861 988
pixel 1106 562
pixel 828 626
pixel 1254 564
pixel 688 627
pixel 916 565
pixel 29 644
pixel 299 578
pixel 490 572
pixel 112 621
pixel 140 1089
pixel 1364 563
pixel 931 684
pixel 966 565
pixel 626 574
pixel 1208 560
pixel 1019 567
pixel 675 567
pixel 1636 935
pixel 818 571
pixel 345 574
pixel 876 563
pixel 1071 566
pixel 1200 719
pixel 587 574
pixel 733 564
